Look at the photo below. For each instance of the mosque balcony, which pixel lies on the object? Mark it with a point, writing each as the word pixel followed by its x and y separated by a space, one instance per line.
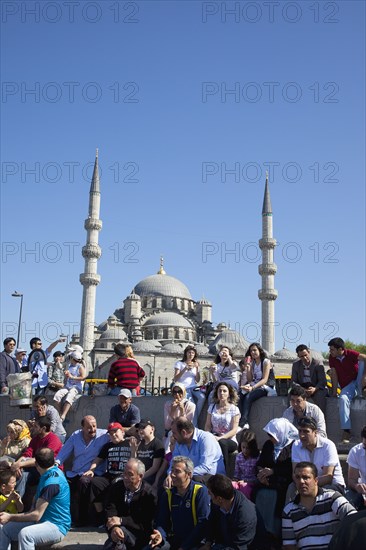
pixel 91 250
pixel 267 294
pixel 87 279
pixel 93 223
pixel 267 269
pixel 268 242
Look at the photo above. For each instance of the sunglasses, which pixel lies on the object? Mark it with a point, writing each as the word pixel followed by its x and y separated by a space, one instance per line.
pixel 176 391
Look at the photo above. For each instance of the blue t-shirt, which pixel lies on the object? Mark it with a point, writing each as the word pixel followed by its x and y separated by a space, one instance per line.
pixel 54 489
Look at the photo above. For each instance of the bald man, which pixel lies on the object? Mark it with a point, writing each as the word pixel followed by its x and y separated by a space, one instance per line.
pixel 84 445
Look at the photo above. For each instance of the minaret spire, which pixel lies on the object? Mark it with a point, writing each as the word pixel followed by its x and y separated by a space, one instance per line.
pixel 267 270
pixel 91 253
pixel 267 207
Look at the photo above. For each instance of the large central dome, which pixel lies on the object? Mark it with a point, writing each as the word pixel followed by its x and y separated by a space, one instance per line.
pixel 162 284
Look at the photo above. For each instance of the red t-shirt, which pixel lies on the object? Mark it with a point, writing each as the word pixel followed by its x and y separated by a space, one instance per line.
pixel 347 369
pixel 125 373
pixel 51 441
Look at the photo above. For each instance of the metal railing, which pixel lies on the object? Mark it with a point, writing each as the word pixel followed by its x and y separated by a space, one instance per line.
pixel 163 386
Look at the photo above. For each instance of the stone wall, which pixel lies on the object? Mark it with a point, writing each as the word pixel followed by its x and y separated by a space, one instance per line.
pixel 262 411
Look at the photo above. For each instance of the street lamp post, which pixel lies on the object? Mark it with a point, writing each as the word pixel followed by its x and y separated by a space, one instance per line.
pixel 16 294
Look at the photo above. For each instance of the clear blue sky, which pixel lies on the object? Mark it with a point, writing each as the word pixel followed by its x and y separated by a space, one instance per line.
pixel 149 84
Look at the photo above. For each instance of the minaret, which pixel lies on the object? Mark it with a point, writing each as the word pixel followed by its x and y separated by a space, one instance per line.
pixel 267 270
pixel 91 253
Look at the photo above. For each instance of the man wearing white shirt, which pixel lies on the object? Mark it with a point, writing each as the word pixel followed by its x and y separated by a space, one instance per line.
pixel 320 451
pixel 356 461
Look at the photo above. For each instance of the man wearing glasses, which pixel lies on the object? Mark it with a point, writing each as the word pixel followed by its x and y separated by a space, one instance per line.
pixel 38 367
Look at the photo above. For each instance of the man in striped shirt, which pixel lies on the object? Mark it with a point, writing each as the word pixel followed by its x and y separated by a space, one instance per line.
pixel 311 519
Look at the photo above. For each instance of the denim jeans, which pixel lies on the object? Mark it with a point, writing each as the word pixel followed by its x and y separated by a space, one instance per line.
pixel 361 368
pixel 246 401
pixel 199 399
pixel 29 534
pixel 345 398
pixel 356 499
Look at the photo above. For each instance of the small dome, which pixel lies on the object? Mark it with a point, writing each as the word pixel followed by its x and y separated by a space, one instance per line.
pixel 232 340
pixel 204 302
pixel 201 349
pixel 155 343
pixel 146 346
pixel 285 354
pixel 133 296
pixel 173 348
pixel 167 319
pixel 317 355
pixel 114 333
pixel 162 285
pixel 102 326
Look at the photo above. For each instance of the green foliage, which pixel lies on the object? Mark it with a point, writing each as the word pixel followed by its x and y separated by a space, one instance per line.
pixel 361 348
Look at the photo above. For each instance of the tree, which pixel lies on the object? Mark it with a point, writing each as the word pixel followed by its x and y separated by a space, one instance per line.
pixel 361 348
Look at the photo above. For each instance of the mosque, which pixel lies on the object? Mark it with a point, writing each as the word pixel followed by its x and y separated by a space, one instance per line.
pixel 160 318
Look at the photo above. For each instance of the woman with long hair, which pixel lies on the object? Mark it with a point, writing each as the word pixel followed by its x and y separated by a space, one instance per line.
pixel 225 369
pixel 223 418
pixel 125 372
pixel 186 372
pixel 260 381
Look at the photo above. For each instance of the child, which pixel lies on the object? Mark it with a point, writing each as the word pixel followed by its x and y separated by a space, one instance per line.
pixel 150 449
pixel 245 472
pixel 10 500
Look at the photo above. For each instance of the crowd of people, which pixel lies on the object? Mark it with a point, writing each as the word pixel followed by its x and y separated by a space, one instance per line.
pixel 186 488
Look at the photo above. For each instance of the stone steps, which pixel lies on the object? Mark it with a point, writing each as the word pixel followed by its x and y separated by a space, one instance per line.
pixel 81 538
pixel 88 538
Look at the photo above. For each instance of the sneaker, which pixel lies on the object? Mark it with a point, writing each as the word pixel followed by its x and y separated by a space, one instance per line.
pixel 346 437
